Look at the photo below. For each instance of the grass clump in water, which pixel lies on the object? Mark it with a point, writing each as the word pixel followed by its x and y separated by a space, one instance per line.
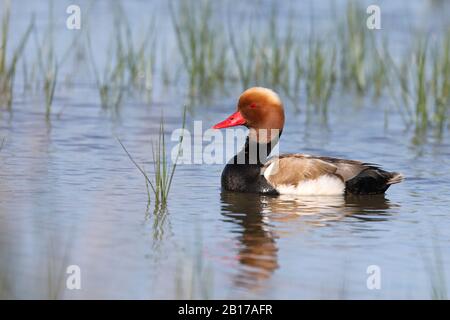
pixel 129 68
pixel 201 44
pixel 139 58
pixel 265 58
pixel 321 76
pixel 425 86
pixel 441 83
pixel 8 70
pixel 47 63
pixel 111 82
pixel 354 48
pixel 159 186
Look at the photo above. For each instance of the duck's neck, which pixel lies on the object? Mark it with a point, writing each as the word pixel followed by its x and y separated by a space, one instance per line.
pixel 255 152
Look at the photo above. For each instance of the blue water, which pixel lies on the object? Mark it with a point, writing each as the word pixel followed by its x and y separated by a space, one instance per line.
pixel 69 194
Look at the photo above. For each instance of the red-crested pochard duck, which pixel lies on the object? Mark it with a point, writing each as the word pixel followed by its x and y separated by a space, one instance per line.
pixel 261 110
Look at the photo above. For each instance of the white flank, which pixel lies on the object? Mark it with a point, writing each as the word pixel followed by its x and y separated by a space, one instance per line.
pixel 324 186
pixel 268 171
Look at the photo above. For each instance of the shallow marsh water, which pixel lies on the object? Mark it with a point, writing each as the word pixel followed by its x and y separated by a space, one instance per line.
pixel 69 195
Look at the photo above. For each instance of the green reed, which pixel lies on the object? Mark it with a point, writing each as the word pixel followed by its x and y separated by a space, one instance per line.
pixel 353 35
pixel 47 63
pixel 321 76
pixel 440 82
pixel 268 54
pixel 423 79
pixel 129 67
pixel 379 71
pixel 276 58
pixel 159 185
pixel 201 45
pixel 244 57
pixel 140 57
pixel 265 58
pixel 421 88
pixel 110 82
pixel 8 68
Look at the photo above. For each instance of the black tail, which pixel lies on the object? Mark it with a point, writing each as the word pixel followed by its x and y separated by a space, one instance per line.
pixel 372 180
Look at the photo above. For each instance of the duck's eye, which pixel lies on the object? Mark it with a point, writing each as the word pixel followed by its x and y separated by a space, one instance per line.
pixel 253 106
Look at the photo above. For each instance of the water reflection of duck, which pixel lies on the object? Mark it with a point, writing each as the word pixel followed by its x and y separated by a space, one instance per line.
pixel 257 247
pixel 325 208
pixel 261 110
pixel 255 216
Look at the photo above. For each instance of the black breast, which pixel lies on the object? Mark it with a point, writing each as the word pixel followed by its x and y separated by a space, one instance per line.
pixel 245 178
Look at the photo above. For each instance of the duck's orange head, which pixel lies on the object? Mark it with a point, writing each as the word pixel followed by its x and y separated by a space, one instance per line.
pixel 257 108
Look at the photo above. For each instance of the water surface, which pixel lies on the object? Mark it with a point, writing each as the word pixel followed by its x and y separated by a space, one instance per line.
pixel 69 195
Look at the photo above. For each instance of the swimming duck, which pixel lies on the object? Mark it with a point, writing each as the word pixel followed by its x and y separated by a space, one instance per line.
pixel 251 170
